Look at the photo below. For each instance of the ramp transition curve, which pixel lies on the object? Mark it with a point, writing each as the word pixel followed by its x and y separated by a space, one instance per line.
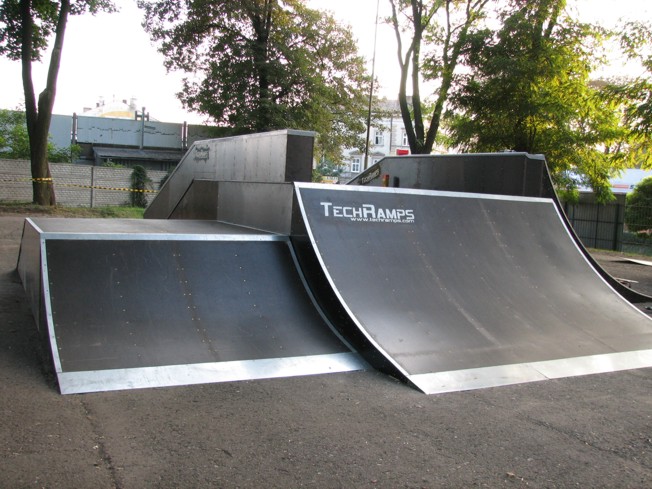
pixel 460 291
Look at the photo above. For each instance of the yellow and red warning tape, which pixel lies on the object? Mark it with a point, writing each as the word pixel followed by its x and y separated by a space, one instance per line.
pixel 97 187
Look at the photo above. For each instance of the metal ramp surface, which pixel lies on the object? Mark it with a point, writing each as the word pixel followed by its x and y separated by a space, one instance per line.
pixel 460 291
pixel 133 303
pixel 506 173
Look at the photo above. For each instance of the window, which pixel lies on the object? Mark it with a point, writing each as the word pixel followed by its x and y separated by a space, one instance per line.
pixel 379 138
pixel 404 139
pixel 355 164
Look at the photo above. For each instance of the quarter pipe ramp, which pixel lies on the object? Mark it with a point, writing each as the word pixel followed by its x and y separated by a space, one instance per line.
pixel 461 291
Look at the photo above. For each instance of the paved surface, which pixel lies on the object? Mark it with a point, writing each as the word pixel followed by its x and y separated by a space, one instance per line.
pixel 358 429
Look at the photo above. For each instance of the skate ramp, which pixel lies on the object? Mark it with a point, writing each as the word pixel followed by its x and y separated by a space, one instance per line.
pixel 129 303
pixel 508 173
pixel 459 291
pixel 270 159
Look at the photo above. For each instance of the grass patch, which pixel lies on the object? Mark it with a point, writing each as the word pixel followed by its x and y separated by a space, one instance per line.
pixel 28 209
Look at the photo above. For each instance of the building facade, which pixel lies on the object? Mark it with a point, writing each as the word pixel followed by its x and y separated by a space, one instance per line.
pixel 387 137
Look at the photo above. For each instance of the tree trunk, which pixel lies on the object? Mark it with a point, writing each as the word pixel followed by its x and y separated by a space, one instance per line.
pixel 39 116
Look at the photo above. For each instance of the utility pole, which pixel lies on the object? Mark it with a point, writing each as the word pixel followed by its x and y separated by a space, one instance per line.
pixel 142 116
pixel 371 92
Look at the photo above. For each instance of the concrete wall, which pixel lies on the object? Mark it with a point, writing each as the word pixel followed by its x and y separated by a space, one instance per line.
pixel 75 185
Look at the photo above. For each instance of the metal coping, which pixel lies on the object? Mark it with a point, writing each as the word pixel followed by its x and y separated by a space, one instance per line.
pixel 410 191
pixel 255 235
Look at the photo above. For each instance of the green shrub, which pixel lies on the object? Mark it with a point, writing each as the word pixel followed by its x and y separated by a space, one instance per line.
pixel 139 183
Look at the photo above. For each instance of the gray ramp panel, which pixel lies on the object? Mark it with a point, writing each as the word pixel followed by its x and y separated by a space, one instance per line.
pixel 128 313
pixel 460 291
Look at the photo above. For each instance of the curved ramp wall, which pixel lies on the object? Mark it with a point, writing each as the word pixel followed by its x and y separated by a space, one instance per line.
pixel 460 291
pixel 514 174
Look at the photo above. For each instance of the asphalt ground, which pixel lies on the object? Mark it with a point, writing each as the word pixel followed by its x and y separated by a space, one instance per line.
pixel 361 429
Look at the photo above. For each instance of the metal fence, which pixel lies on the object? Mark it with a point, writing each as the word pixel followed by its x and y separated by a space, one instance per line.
pixel 614 226
pixel 637 231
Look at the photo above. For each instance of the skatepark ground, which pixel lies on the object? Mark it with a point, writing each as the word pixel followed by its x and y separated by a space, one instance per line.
pixel 360 429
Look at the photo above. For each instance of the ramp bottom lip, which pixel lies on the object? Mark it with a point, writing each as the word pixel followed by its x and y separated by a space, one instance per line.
pixel 204 373
pixel 501 375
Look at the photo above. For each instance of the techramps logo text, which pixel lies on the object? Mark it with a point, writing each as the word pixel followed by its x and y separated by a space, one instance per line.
pixel 368 213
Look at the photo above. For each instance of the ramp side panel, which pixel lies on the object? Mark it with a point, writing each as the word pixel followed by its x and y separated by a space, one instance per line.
pixel 199 202
pixel 134 304
pixel 471 281
pixel 271 157
pixel 30 271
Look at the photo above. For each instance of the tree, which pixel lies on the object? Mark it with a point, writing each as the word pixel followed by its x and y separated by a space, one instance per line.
pixel 139 183
pixel 26 27
pixel 14 141
pixel 257 65
pixel 634 95
pixel 639 203
pixel 529 89
pixel 419 18
pixel 326 168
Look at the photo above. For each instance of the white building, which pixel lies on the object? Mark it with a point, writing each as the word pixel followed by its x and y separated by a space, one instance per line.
pixel 386 138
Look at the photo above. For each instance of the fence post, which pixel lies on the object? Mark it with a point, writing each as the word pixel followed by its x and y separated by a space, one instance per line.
pixel 617 224
pixel 597 225
pixel 92 185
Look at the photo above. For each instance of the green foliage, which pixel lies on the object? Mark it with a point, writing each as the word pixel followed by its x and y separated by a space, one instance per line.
pixel 442 26
pixel 14 142
pixel 634 96
pixel 529 90
pixel 638 215
pixel 257 66
pixel 43 16
pixel 139 183
pixel 326 168
pixel 119 212
pixel 26 28
pixel 112 164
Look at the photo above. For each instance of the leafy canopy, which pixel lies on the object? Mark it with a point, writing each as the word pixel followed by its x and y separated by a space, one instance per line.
pixel 441 27
pixel 26 29
pixel 529 89
pixel 257 65
pixel 43 16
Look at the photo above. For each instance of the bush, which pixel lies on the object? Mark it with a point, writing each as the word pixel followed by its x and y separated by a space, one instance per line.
pixel 139 182
pixel 638 215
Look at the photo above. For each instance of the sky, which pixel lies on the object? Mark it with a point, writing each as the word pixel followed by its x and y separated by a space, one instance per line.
pixel 110 57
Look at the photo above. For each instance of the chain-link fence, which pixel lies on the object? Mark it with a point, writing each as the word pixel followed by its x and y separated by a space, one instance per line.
pixel 614 226
pixel 637 230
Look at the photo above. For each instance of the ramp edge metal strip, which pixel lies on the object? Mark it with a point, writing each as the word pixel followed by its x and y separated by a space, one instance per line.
pixel 161 237
pixel 205 373
pixel 412 191
pixel 501 375
pixel 336 291
pixel 47 305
